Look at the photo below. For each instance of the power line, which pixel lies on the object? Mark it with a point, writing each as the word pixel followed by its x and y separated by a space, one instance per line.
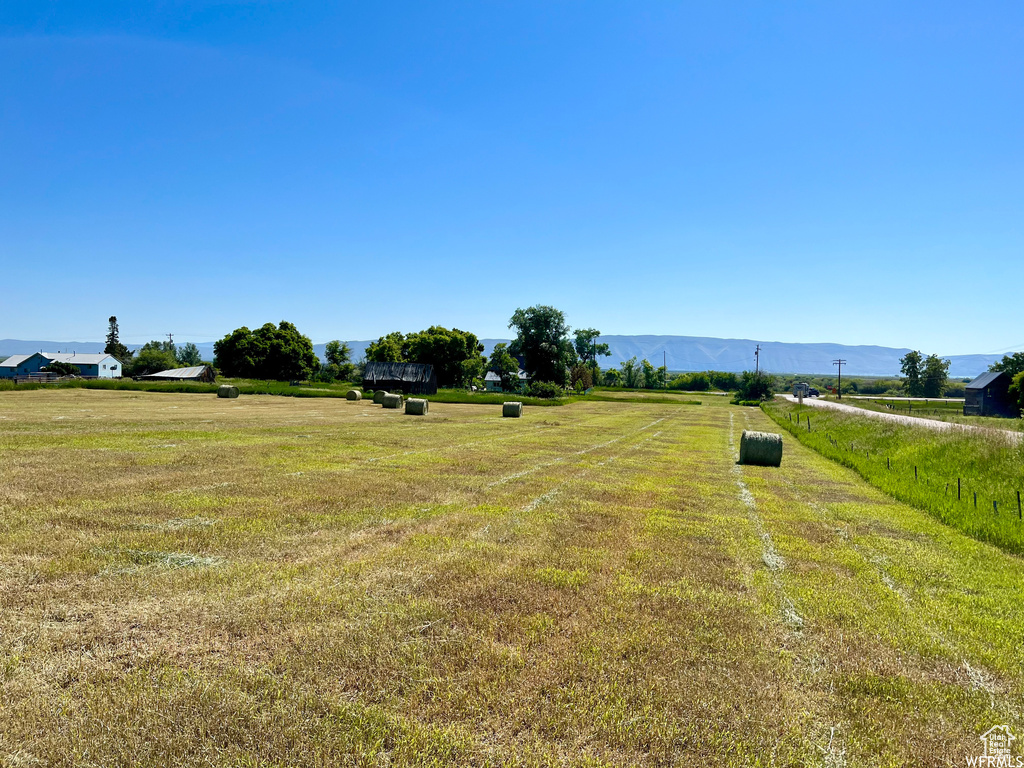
pixel 839 388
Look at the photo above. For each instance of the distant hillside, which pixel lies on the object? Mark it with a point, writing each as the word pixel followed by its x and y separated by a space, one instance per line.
pixel 683 353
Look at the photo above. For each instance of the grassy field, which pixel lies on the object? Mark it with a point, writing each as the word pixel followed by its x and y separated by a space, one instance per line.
pixel 956 474
pixel 274 581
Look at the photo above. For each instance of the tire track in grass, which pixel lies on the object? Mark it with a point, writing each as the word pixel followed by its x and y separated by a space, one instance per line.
pixel 552 492
pixel 769 555
pixel 561 459
pixel 489 440
pixel 833 756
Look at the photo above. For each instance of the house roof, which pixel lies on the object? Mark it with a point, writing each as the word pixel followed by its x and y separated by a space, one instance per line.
pixel 15 360
pixel 59 357
pixel 986 379
pixel 492 376
pixel 191 372
pixel 410 372
pixel 77 359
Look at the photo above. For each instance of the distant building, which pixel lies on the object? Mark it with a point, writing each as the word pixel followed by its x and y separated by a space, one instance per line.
pixel 93 366
pixel 492 381
pixel 988 395
pixel 407 378
pixel 194 373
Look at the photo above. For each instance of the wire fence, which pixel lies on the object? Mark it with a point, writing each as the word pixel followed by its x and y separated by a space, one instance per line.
pixel 958 489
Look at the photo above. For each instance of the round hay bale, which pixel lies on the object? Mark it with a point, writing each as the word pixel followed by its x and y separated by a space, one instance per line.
pixel 353 394
pixel 378 396
pixel 512 410
pixel 762 449
pixel 226 390
pixel 416 406
pixel 391 401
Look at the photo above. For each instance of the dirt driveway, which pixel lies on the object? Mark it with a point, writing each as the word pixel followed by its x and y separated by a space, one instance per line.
pixel 910 420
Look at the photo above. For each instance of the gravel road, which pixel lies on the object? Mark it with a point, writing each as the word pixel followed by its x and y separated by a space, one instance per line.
pixel 941 426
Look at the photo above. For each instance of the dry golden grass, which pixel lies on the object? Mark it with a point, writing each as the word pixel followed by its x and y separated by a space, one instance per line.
pixel 275 582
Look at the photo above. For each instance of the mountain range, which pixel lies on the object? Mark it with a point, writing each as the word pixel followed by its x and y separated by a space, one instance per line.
pixel 680 353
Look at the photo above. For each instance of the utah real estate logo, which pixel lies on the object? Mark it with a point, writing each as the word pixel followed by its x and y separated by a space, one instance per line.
pixel 998 742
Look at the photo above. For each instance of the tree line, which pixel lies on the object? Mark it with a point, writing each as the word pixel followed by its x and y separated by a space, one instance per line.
pixel 553 355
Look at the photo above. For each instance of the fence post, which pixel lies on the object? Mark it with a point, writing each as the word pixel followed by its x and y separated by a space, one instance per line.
pixel 915 472
pixel 888 464
pixel 975 499
pixel 958 489
pixel 995 507
pixel 1020 514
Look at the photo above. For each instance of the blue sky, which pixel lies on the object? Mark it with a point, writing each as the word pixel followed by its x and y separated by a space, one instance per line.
pixel 848 172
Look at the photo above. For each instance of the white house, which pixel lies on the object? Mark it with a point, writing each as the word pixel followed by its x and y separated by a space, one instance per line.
pixel 492 381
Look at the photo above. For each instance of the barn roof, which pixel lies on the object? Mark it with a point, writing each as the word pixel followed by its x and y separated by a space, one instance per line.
pixel 179 373
pixel 986 379
pixel 410 372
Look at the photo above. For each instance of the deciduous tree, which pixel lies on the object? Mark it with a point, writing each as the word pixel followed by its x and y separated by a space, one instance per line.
pixel 155 356
pixel 755 386
pixel 188 355
pixel 933 379
pixel 581 377
pixel 388 349
pixel 588 348
pixel 542 338
pixel 280 353
pixel 506 366
pixel 1010 364
pixel 62 369
pixel 632 374
pixel 454 354
pixel 910 365
pixel 1017 392
pixel 338 365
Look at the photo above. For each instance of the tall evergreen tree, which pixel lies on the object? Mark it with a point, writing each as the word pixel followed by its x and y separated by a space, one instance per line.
pixel 114 346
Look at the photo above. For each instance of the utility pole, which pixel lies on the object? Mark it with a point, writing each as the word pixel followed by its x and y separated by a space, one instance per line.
pixel 170 339
pixel 839 389
pixel 757 360
pixel 664 369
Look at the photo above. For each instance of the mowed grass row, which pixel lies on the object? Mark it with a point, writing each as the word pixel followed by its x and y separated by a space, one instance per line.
pixel 271 581
pixel 955 474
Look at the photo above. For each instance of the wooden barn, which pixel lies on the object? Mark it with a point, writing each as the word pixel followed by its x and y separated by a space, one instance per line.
pixel 988 395
pixel 407 378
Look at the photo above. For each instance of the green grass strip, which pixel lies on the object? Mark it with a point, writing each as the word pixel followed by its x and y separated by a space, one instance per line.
pixel 968 479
